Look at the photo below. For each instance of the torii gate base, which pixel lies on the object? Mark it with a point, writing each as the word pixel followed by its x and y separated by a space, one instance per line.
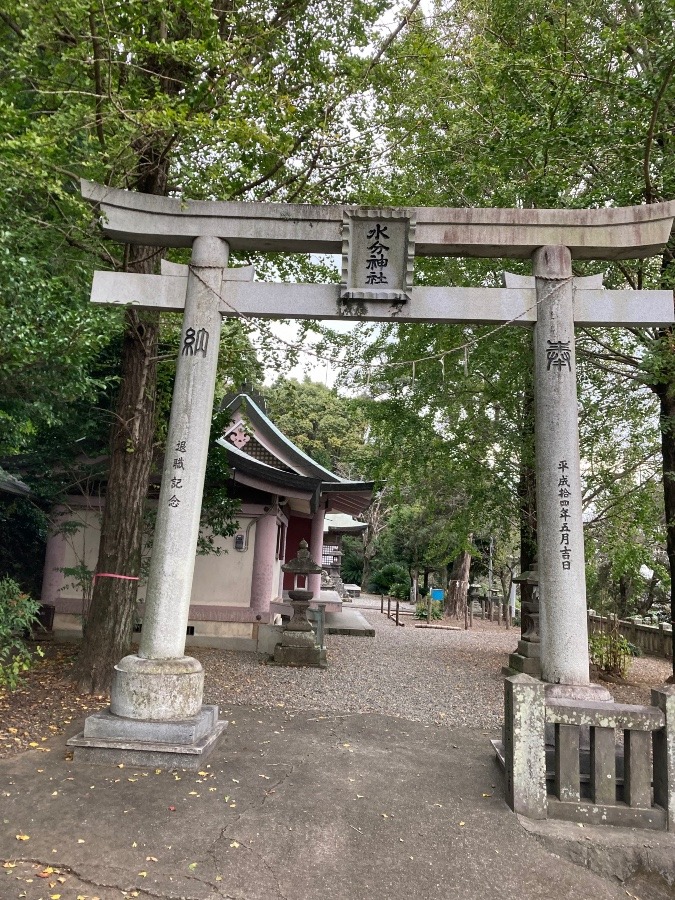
pixel 156 710
pixel 580 774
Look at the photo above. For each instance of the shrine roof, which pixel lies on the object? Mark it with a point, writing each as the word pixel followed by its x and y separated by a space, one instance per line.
pixel 342 523
pixel 345 496
pixel 264 458
pixel 9 484
pixel 277 442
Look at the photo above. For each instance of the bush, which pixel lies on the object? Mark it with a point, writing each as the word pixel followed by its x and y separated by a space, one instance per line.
pixel 436 610
pixel 18 615
pixel 382 580
pixel 399 590
pixel 610 652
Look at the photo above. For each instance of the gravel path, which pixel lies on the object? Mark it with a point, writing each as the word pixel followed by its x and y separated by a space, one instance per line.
pixel 436 677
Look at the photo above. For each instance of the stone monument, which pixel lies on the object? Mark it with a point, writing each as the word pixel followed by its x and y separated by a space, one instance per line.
pixel 527 657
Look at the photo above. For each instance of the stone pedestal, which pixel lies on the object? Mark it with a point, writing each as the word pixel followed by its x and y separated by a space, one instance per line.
pixel 298 646
pixel 526 659
pixel 179 743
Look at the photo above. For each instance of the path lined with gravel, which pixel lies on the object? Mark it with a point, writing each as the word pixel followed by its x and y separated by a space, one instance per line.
pixel 436 677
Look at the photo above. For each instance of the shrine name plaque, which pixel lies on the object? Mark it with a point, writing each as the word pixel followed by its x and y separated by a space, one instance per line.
pixel 378 255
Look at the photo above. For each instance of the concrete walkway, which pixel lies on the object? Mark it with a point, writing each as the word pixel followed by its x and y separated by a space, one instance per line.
pixel 297 806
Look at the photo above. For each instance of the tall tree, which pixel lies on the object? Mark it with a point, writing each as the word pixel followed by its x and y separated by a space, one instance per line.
pixel 550 105
pixel 201 99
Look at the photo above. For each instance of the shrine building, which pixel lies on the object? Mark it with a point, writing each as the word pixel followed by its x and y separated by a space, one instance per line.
pixel 284 496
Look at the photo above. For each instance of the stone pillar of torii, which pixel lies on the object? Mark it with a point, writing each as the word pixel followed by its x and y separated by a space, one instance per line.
pixel 378 246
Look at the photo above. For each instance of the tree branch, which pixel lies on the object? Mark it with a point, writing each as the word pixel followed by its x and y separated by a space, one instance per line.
pixel 649 194
pixel 11 24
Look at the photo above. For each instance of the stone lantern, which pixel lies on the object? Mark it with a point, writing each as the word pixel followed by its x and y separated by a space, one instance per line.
pixel 298 645
pixel 527 657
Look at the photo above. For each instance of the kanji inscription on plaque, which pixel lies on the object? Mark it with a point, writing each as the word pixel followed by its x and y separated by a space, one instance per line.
pixel 378 252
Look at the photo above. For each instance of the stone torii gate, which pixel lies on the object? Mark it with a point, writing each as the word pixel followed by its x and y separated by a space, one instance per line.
pixel 159 688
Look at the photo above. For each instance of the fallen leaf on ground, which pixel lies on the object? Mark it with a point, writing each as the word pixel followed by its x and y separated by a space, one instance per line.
pixel 23 837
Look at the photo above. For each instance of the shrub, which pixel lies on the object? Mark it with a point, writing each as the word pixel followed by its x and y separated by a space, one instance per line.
pixel 399 590
pixel 18 615
pixel 610 652
pixel 436 610
pixel 382 580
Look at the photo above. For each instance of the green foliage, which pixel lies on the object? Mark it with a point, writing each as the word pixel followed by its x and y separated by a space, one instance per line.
pixel 610 652
pixel 18 615
pixel 422 610
pixel 385 579
pixel 400 590
pixel 352 560
pixel 23 527
pixel 324 425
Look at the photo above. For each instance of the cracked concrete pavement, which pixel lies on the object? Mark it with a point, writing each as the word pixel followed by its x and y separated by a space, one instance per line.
pixel 293 806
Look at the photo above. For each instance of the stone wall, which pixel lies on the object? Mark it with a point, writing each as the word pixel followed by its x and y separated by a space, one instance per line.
pixel 652 639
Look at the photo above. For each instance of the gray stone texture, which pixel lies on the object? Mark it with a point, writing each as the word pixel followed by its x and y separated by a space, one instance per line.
pixel 430 304
pixel 175 538
pixel 157 688
pixel 524 748
pixel 567 782
pixel 130 752
pixel 604 233
pixel 105 725
pixel 562 580
pixel 664 753
pixel 603 765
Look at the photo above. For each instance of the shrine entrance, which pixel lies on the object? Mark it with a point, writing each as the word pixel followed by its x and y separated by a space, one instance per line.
pixel 158 691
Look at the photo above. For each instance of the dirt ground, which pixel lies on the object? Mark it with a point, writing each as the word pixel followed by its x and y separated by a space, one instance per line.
pixel 45 704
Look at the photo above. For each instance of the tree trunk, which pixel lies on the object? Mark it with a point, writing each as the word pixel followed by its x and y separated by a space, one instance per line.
pixel 109 627
pixel 527 502
pixel 458 584
pixel 107 636
pixel 666 395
